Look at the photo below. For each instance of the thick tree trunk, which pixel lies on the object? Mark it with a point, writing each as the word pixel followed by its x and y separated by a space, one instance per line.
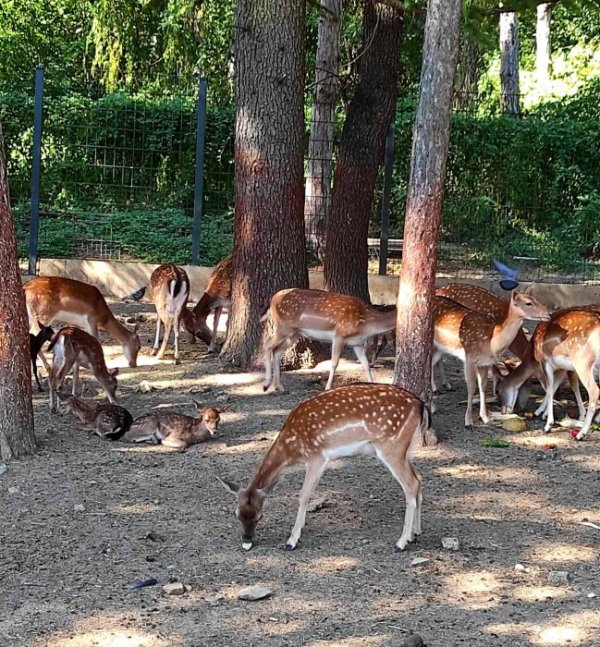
pixel 269 247
pixel 361 149
pixel 16 413
pixel 317 200
pixel 414 331
pixel 470 65
pixel 509 62
pixel 543 50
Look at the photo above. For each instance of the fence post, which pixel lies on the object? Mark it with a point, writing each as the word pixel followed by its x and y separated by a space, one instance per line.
pixel 36 166
pixel 385 203
pixel 199 171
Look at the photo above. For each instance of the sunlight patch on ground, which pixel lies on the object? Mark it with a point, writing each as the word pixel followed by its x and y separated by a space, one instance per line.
pixel 535 593
pixel 587 462
pixel 233 450
pixel 473 589
pixel 135 508
pixel 354 641
pixel 333 564
pixel 108 638
pixel 479 472
pixel 549 552
pixel 560 439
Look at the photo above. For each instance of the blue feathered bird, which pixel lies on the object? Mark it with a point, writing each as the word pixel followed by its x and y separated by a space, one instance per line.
pixel 138 294
pixel 509 276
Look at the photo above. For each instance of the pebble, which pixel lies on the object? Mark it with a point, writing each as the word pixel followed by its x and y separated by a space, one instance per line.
pixel 558 578
pixel 419 560
pixel 591 595
pixel 3 468
pixel 174 588
pixel 13 490
pixel 519 567
pixel 252 593
pixel 79 507
pixel 213 600
pixel 413 641
pixel 450 543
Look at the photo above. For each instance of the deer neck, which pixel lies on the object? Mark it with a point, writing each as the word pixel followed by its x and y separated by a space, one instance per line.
pixel 505 332
pixel 117 330
pixel 85 412
pixel 205 305
pixel 383 321
pixel 524 370
pixel 200 432
pixel 270 468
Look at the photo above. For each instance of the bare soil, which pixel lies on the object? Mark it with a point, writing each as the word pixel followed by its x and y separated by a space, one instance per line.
pixel 84 519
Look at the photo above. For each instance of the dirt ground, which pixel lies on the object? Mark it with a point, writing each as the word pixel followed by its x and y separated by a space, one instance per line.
pixel 148 512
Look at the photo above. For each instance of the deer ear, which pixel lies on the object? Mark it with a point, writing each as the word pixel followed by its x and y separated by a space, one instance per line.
pixel 223 408
pixel 229 486
pixel 114 372
pixel 198 405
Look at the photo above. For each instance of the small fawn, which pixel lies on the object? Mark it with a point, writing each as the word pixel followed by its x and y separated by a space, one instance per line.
pixel 72 348
pixel 109 421
pixel 325 316
pixel 358 419
pixel 175 429
pixel 36 343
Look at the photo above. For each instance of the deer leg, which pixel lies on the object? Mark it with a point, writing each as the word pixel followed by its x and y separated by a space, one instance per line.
pixel 585 371
pixel 336 351
pixel 157 336
pixel 55 381
pixel 361 355
pixel 574 382
pixel 314 470
pixel 34 370
pixel 75 378
pixel 405 474
pixel 482 377
pixel 550 390
pixel 471 380
pixel 215 331
pixel 174 442
pixel 268 352
pixel 277 355
pixel 176 336
pixel 165 341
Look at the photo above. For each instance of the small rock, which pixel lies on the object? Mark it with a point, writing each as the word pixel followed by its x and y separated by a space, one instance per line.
pixel 317 504
pixel 213 600
pixel 253 593
pixel 419 560
pixel 591 595
pixel 79 507
pixel 558 578
pixel 519 567
pixel 13 490
pixel 413 641
pixel 174 588
pixel 450 543
pixel 3 468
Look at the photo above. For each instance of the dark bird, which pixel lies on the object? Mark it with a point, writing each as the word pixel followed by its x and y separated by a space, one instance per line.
pixel 138 294
pixel 509 276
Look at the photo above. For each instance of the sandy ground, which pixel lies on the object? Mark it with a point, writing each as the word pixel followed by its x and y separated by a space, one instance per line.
pixel 65 570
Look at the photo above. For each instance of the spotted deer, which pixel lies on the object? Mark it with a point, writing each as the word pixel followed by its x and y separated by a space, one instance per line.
pixel 175 429
pixel 478 340
pixel 108 421
pixel 72 348
pixel 55 298
pixel 326 316
pixel 216 297
pixel 357 419
pixel 566 345
pixel 36 342
pixel 169 291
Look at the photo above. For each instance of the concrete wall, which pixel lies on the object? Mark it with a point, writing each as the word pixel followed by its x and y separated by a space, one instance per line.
pixel 119 279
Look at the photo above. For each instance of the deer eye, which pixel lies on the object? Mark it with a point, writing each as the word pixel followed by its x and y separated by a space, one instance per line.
pixel 528 303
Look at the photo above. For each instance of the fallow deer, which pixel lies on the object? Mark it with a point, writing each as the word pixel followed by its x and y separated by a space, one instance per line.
pixel 567 344
pixel 216 297
pixel 72 348
pixel 36 343
pixel 55 298
pixel 357 419
pixel 478 340
pixel 325 316
pixel 169 291
pixel 175 429
pixel 109 421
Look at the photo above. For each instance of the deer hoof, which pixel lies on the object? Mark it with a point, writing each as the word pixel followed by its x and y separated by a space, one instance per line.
pixel 177 361
pixel 289 547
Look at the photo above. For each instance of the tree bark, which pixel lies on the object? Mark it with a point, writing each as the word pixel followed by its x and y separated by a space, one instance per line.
pixel 361 150
pixel 269 246
pixel 16 412
pixel 543 50
pixel 509 62
pixel 317 200
pixel 414 330
pixel 470 65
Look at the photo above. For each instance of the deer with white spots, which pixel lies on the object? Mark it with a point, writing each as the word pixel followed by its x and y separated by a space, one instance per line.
pixel 55 298
pixel 566 345
pixel 325 316
pixel 478 340
pixel 375 419
pixel 169 291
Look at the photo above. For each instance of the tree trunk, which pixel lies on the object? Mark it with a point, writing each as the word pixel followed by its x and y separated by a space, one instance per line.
pixel 509 62
pixel 414 331
pixel 269 247
pixel 470 65
pixel 317 200
pixel 361 150
pixel 543 50
pixel 16 412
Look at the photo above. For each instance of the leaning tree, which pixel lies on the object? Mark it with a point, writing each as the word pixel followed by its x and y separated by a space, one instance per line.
pixel 16 412
pixel 269 248
pixel 414 331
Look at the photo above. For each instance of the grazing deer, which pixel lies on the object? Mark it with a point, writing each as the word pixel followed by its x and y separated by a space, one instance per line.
pixel 52 298
pixel 216 297
pixel 109 421
pixel 478 340
pixel 325 316
pixel 566 345
pixel 35 350
pixel 72 348
pixel 169 290
pixel 175 429
pixel 356 419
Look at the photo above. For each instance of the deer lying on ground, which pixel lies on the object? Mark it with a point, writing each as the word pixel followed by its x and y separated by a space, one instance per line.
pixel 54 298
pixel 72 348
pixel 325 316
pixel 478 340
pixel 35 350
pixel 175 429
pixel 567 345
pixel 169 291
pixel 109 421
pixel 216 297
pixel 358 419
